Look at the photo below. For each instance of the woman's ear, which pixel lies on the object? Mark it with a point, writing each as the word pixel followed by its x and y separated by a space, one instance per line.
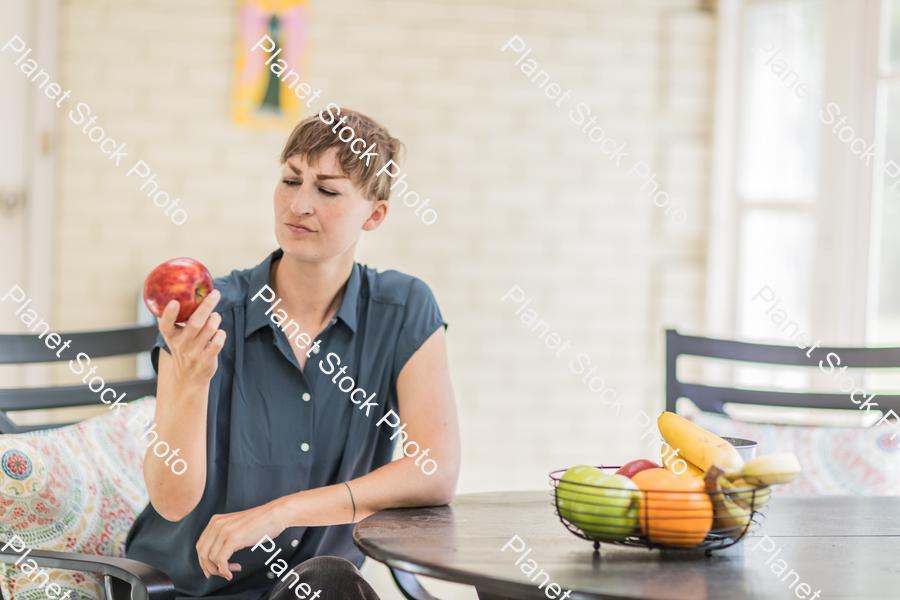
pixel 379 213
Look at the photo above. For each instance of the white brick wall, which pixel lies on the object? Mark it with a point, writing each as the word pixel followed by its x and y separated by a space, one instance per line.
pixel 522 196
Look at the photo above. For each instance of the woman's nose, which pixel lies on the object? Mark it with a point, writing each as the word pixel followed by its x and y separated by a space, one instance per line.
pixel 302 201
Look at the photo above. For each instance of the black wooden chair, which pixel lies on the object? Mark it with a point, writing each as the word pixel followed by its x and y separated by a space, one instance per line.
pixel 22 349
pixel 712 398
pixel 123 578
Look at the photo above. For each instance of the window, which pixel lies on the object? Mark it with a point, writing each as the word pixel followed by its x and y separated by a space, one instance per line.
pixel 884 322
pixel 792 205
pixel 777 174
pixel 795 211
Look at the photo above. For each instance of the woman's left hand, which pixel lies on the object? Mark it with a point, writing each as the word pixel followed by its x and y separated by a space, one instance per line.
pixel 226 534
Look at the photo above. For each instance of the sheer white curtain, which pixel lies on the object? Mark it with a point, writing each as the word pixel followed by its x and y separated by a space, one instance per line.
pixel 793 210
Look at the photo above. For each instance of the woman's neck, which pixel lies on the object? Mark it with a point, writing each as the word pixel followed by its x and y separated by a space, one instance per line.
pixel 311 292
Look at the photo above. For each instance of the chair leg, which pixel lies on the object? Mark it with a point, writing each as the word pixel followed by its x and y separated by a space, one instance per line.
pixel 409 585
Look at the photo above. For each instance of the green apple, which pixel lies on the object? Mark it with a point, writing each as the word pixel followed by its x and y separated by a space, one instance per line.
pixel 574 488
pixel 608 513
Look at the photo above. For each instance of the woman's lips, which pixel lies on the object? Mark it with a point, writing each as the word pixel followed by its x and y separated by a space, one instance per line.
pixel 298 229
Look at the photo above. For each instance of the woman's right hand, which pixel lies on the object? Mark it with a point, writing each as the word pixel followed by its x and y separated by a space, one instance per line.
pixel 194 346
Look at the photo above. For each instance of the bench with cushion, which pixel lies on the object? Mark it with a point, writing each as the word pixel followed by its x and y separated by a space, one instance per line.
pixel 77 490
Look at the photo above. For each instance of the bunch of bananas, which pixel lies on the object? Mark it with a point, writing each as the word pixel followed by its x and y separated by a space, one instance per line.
pixel 736 489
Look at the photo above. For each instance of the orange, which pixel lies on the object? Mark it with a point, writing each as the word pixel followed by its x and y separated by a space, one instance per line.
pixel 675 511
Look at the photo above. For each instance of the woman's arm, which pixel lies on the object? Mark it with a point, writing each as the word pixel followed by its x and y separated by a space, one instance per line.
pixel 182 396
pixel 426 406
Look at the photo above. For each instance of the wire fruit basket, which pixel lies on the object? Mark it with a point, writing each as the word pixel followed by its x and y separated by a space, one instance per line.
pixel 698 519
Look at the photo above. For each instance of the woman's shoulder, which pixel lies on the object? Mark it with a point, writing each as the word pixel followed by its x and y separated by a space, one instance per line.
pixel 394 287
pixel 234 288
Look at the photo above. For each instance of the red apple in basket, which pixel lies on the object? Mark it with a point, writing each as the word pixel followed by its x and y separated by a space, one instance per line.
pixel 636 466
pixel 182 279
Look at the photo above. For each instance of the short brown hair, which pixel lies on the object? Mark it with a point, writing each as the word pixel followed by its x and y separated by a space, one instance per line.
pixel 312 137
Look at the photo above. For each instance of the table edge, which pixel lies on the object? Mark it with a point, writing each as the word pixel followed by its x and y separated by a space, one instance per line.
pixel 480 582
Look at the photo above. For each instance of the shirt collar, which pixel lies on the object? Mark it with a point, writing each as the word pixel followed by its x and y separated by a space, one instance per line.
pixel 347 311
pixel 256 309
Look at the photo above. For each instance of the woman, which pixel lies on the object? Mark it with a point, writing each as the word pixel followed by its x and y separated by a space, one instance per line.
pixel 282 457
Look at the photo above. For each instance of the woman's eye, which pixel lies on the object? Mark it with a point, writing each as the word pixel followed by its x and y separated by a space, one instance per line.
pixel 327 192
pixel 290 182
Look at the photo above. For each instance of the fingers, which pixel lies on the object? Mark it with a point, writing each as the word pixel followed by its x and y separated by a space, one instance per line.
pixel 207 562
pixel 218 542
pixel 203 546
pixel 213 549
pixel 219 552
pixel 222 564
pixel 215 344
pixel 209 329
pixel 204 310
pixel 167 320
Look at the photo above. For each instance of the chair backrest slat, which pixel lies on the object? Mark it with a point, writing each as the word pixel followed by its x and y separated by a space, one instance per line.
pixel 73 395
pixel 712 398
pixel 19 349
pixel 872 358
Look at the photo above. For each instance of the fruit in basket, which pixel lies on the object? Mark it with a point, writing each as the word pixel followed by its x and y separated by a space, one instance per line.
pixel 749 496
pixel 729 518
pixel 603 506
pixel 574 487
pixel 636 466
pixel 182 279
pixel 769 469
pixel 675 511
pixel 692 470
pixel 698 445
pixel 650 476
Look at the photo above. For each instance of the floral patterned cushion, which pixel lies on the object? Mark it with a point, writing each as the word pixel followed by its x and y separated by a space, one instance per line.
pixel 73 489
pixel 835 460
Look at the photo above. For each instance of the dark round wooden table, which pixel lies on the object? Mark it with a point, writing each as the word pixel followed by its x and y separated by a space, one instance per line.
pixel 844 546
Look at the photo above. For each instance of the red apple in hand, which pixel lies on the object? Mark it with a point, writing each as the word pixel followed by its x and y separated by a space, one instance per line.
pixel 182 279
pixel 636 466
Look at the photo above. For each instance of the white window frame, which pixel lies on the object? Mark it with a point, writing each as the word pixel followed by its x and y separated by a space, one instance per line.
pixel 845 211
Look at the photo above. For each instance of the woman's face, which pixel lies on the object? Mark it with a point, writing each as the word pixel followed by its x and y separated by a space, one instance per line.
pixel 319 212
